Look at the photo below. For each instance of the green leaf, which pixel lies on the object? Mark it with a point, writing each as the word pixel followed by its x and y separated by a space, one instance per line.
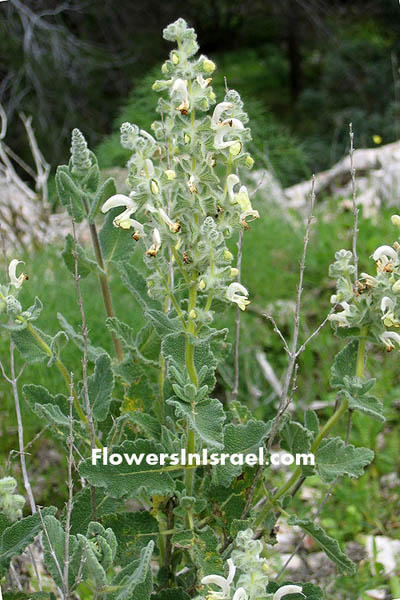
pixel 105 191
pixel 204 545
pixel 334 458
pixel 28 347
pixel 243 439
pixel 296 439
pixel 344 364
pixel 173 350
pixel 126 480
pixel 31 596
pixel 327 544
pixel 19 535
pixel 122 331
pixel 76 338
pixel 58 342
pixel 136 284
pixel 33 312
pixel 206 418
pixel 148 343
pixel 69 193
pixel 135 581
pixel 56 535
pixel 172 594
pixel 146 423
pixel 370 405
pixel 133 531
pixel 100 387
pixel 81 514
pixel 91 181
pixel 116 243
pixel 311 422
pixel 85 264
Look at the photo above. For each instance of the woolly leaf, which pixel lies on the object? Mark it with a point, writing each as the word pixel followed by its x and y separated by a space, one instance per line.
pixel 126 480
pixel 116 243
pixel 19 535
pixel 243 439
pixel 204 545
pixel 100 387
pixel 296 439
pixel 28 346
pixel 129 529
pixel 69 194
pixel 369 405
pixel 135 581
pixel 327 544
pixel 105 191
pixel 82 511
pixel 205 418
pixel 344 364
pixel 334 458
pixel 56 535
pixel 85 264
pixel 136 284
pixel 76 338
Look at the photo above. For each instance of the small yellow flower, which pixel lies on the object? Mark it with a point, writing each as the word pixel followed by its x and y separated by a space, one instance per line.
pixel 235 149
pixel 208 65
pixel 202 285
pixel 249 162
pixel 228 255
pixel 155 188
pixel 395 220
pixel 170 174
pixel 175 58
pixel 234 272
pixel 377 139
pixel 192 314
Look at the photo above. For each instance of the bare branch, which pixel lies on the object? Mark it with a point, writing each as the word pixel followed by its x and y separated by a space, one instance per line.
pixel 70 460
pixel 354 198
pixel 235 390
pixel 269 373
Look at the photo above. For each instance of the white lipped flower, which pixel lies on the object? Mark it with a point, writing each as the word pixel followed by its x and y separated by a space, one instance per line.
pixel 368 280
pixel 388 316
pixel 241 198
pixel 384 255
pixel 252 214
pixel 218 110
pixel 237 293
pixel 122 220
pixel 154 248
pixel 222 582
pixel 203 83
pixel 173 227
pixel 240 594
pixel 341 318
pixel 285 590
pixel 12 273
pixel 180 88
pixel 389 338
pixel 224 128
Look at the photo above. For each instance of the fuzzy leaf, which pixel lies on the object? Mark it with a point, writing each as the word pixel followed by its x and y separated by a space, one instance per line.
pixel 130 480
pixel 136 284
pixel 334 458
pixel 100 387
pixel 244 439
pixel 129 528
pixel 56 535
pixel 296 439
pixel 29 348
pixel 344 364
pixel 76 338
pixel 328 544
pixel 311 421
pixel 205 418
pixel 369 405
pixel 81 514
pixel 204 545
pixel 58 342
pixel 19 535
pixel 85 264
pixel 135 581
pixel 105 191
pixel 116 243
pixel 69 193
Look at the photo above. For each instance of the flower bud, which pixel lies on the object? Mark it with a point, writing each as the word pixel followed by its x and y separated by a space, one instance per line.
pixel 235 149
pixel 396 287
pixel 187 138
pixel 249 162
pixel 228 255
pixel 192 314
pixel 234 272
pixel 13 305
pixel 208 65
pixel 155 188
pixel 396 220
pixel 170 174
pixel 175 58
pixel 202 285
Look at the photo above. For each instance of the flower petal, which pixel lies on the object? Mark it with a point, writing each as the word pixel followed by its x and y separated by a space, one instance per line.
pixel 119 200
pixel 287 589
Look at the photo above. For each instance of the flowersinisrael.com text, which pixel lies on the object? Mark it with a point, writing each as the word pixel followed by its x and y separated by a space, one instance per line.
pixel 183 458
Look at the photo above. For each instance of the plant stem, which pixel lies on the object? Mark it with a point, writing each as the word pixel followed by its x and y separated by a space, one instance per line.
pixel 105 288
pixel 324 431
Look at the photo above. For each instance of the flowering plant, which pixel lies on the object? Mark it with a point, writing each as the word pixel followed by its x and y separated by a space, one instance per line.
pixel 169 240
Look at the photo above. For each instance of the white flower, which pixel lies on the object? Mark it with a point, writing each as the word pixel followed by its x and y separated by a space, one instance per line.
pixel 241 198
pixel 388 337
pixel 224 128
pixel 384 253
pixel 254 214
pixel 192 185
pixel 123 220
pixel 148 167
pixel 240 594
pixel 173 227
pixel 12 273
pixel 180 88
pixel 152 251
pixel 287 589
pixel 203 83
pixel 238 293
pixel 222 582
pixel 395 220
pixel 218 110
pixel 369 280
pixel 388 317
pixel 342 317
